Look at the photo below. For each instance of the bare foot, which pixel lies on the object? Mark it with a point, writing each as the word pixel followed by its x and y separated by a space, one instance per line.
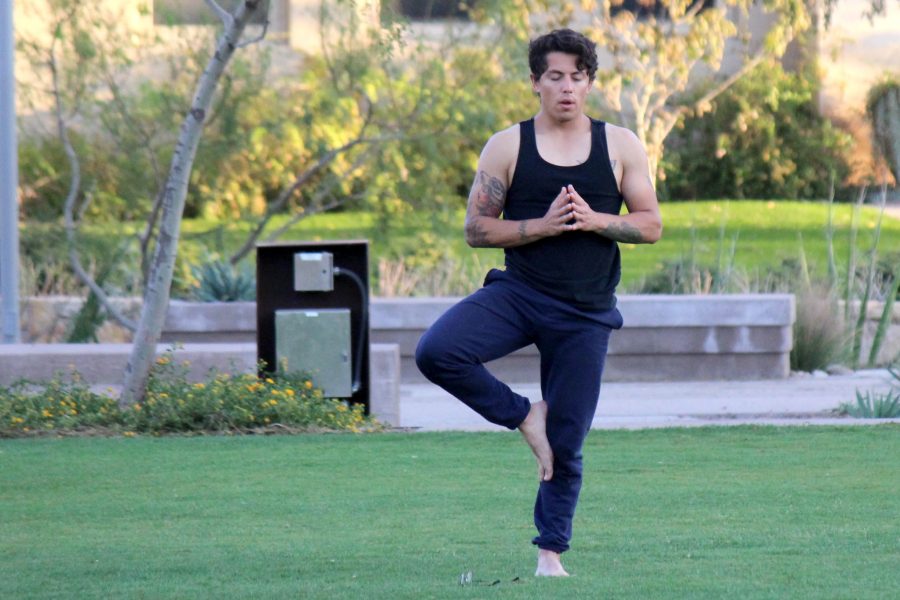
pixel 549 565
pixel 534 429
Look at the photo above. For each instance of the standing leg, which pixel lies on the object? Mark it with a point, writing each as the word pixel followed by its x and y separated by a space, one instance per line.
pixel 572 358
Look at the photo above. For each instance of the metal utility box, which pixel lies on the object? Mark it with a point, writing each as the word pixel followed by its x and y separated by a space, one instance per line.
pixel 317 342
pixel 314 272
pixel 275 291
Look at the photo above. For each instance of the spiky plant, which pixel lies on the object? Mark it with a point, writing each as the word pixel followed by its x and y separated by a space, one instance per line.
pixel 220 281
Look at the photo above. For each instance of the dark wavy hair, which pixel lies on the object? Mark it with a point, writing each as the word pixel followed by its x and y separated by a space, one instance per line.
pixel 566 41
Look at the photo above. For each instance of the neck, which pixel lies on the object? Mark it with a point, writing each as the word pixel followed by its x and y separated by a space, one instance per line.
pixel 546 122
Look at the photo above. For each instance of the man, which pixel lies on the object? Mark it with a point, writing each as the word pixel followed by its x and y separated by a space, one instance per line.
pixel 559 181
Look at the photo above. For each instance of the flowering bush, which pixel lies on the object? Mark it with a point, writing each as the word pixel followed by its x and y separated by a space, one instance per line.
pixel 222 403
pixel 28 407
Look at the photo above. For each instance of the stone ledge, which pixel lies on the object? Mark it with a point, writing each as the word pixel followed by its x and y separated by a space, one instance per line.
pixel 733 310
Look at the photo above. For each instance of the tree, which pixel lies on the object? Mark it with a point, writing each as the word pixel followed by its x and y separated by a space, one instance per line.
pixel 159 283
pixel 649 87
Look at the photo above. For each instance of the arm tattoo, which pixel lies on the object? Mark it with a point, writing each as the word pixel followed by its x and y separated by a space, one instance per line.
pixel 486 200
pixel 476 236
pixel 490 195
pixel 522 234
pixel 624 232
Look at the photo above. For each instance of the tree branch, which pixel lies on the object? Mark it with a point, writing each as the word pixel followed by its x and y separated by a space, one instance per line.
pixel 286 193
pixel 71 197
pixel 308 213
pixel 262 35
pixel 224 15
pixel 724 84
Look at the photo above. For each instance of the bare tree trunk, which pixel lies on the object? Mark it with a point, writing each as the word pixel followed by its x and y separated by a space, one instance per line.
pixel 159 282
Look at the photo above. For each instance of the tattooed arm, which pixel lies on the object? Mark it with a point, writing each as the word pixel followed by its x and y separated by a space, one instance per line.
pixel 643 223
pixel 484 227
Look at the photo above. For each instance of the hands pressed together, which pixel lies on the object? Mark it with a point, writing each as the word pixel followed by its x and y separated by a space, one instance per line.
pixel 570 212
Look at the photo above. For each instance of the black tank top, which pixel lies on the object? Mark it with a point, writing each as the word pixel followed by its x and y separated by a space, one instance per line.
pixel 578 267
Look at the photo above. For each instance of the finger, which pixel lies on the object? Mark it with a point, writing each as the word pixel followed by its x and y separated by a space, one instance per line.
pixel 574 195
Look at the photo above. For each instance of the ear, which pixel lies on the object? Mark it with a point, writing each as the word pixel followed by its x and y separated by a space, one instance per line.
pixel 534 82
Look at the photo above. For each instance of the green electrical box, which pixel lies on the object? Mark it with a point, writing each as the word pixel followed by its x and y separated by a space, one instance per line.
pixel 317 342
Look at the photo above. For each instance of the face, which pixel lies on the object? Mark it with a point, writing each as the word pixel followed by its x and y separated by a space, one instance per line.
pixel 562 87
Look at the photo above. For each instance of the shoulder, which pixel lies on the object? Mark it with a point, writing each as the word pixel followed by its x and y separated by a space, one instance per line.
pixel 622 136
pixel 624 143
pixel 501 151
pixel 505 142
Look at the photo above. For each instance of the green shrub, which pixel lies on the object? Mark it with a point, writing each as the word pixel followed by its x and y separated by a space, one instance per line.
pixel 764 138
pixel 28 407
pixel 220 403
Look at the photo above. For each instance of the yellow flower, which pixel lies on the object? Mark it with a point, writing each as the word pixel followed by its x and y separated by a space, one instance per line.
pixel 137 407
pixel 163 395
pixel 266 419
pixel 47 413
pixel 162 360
pixel 308 385
pixel 289 392
pixel 128 433
pixel 269 380
pixel 273 402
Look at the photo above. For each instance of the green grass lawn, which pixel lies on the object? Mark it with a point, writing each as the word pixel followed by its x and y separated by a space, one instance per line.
pixel 702 513
pixel 768 233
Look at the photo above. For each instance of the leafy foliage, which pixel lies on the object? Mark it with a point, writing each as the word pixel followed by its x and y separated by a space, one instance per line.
pixel 221 402
pixel 764 138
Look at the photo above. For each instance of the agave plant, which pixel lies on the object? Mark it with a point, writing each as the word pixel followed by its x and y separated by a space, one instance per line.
pixel 220 281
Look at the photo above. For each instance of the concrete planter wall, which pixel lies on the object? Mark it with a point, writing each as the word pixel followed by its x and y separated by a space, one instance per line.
pixel 664 338
pixel 648 324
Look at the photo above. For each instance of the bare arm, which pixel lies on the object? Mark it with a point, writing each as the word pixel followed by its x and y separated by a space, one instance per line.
pixel 643 223
pixel 484 227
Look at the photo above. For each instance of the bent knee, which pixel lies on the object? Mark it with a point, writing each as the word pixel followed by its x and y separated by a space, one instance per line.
pixel 428 354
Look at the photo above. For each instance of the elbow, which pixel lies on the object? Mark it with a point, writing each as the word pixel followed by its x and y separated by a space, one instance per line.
pixel 474 234
pixel 655 232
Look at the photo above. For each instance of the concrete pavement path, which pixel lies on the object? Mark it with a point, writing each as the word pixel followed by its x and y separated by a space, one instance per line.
pixel 799 399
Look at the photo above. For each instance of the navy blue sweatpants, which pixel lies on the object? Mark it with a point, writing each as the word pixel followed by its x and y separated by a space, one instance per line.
pixel 501 317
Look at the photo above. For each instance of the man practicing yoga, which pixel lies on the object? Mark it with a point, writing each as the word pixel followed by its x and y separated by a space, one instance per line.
pixel 559 181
